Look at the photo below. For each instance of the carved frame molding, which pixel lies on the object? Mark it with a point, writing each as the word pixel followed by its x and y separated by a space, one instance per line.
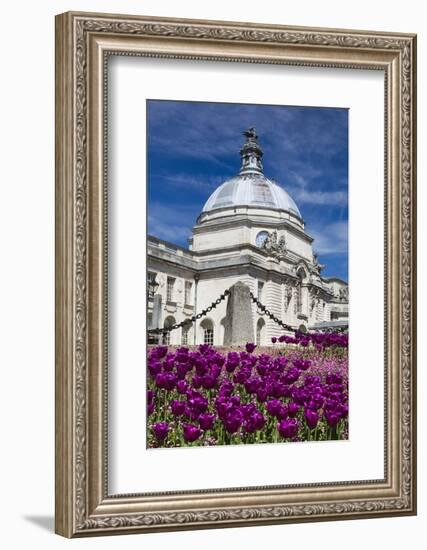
pixel 83 43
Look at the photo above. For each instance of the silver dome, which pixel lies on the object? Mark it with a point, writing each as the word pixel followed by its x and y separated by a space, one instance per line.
pixel 251 190
pixel 250 187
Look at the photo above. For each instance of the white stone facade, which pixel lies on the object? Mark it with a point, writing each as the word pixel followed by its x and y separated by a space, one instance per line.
pixel 248 233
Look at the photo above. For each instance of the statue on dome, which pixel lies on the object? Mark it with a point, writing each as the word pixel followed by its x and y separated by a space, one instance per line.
pixel 250 133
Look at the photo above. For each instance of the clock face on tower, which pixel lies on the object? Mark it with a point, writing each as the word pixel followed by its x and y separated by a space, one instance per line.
pixel 261 237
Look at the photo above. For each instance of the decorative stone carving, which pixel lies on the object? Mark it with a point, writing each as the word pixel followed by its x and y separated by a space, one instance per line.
pixel 343 294
pixel 161 279
pixel 317 266
pixel 288 296
pixel 274 246
pixel 295 293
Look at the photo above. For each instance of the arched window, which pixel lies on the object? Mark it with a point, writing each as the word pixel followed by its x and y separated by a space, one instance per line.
pixel 185 333
pixel 260 328
pixel 166 337
pixel 208 331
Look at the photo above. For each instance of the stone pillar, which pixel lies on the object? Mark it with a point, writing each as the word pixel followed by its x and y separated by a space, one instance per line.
pixel 239 327
pixel 157 313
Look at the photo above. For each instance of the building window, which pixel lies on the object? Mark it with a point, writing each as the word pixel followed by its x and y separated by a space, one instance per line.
pixel 166 336
pixel 208 336
pixel 208 332
pixel 260 331
pixel 260 289
pixel 185 334
pixel 169 289
pixel 187 294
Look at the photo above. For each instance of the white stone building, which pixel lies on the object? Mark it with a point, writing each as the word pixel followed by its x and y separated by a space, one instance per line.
pixel 249 230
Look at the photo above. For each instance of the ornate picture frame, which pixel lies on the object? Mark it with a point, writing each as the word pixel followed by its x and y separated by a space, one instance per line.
pixel 84 42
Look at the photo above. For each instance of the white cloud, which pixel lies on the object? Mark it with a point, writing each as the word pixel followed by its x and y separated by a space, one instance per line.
pixel 333 198
pixel 331 238
pixel 165 223
pixel 200 182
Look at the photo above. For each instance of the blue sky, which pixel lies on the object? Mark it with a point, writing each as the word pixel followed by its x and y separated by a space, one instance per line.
pixel 194 146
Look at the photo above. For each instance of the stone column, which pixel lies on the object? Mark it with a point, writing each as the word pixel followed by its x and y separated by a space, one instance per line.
pixel 157 314
pixel 239 327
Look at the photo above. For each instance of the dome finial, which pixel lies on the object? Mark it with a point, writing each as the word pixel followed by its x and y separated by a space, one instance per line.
pixel 251 153
pixel 250 133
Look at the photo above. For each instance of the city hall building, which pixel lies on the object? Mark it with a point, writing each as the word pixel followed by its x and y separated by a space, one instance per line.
pixel 249 230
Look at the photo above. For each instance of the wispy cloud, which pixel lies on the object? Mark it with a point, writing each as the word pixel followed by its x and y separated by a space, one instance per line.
pixel 190 180
pixel 166 223
pixel 335 198
pixel 330 238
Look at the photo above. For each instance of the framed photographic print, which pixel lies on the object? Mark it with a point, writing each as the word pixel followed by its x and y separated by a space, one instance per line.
pixel 235 274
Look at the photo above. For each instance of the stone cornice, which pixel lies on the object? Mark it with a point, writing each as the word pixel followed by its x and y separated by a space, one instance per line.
pixel 246 221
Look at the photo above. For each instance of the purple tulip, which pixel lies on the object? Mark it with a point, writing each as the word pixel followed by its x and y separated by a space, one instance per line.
pixel 169 363
pixel 311 417
pixel 288 427
pixel 310 380
pixel 252 384
pixel 209 382
pixel 333 378
pixel 332 418
pixel 241 375
pixel 205 349
pixel 150 408
pixel 274 340
pixel 250 347
pixel 263 368
pixel 235 400
pixel 177 407
pixel 160 351
pixel 181 370
pixel 302 364
pixel 291 375
pixel 262 394
pixel 191 432
pixel 154 367
pixel 206 421
pixel 279 389
pixel 198 403
pixel 182 386
pixel 191 414
pixel 273 406
pixel 160 430
pixel 247 410
pixel 293 409
pixel 233 421
pixel 256 421
pixel 166 380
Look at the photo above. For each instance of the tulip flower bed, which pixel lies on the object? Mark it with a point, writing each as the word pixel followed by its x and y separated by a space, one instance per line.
pixel 296 392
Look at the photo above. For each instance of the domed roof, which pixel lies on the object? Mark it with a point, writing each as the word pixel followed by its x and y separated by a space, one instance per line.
pixel 251 190
pixel 251 187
